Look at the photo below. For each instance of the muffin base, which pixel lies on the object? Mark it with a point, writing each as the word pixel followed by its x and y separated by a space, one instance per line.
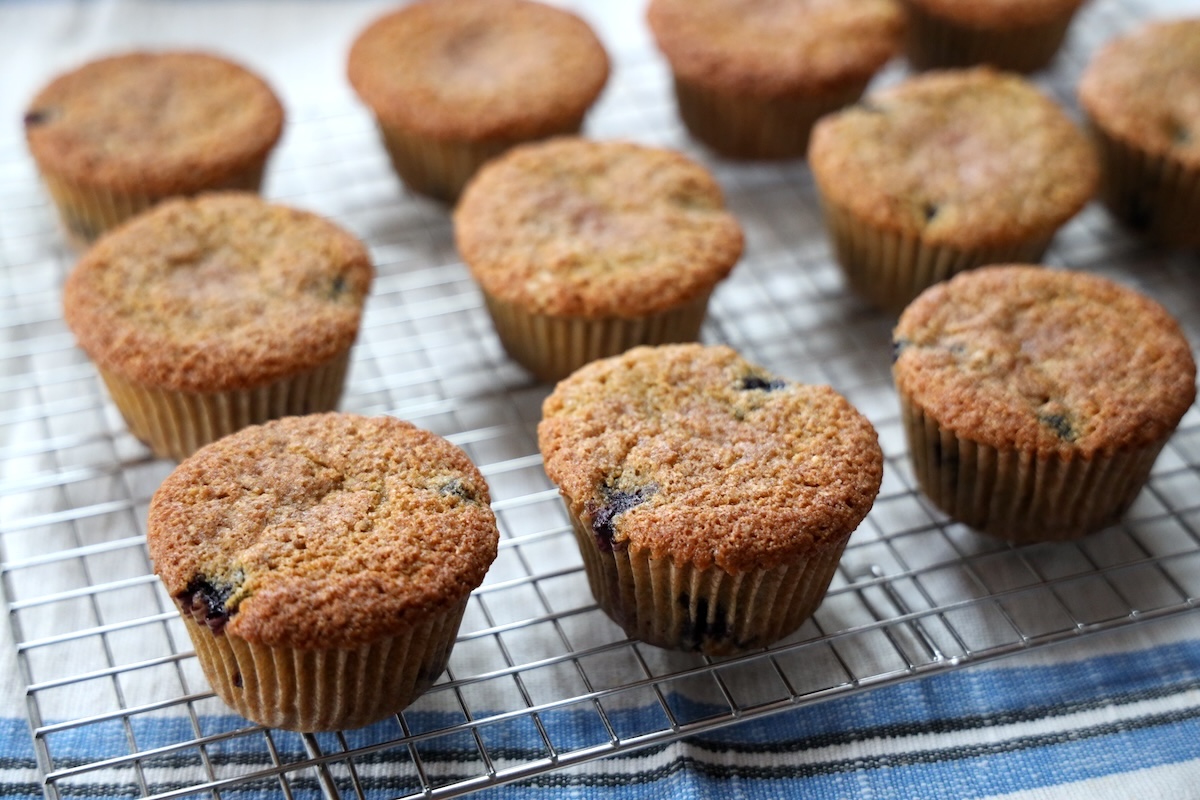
pixel 932 42
pixel 325 690
pixel 682 607
pixel 889 269
pixel 1019 496
pixel 747 127
pixel 553 347
pixel 176 424
pixel 87 212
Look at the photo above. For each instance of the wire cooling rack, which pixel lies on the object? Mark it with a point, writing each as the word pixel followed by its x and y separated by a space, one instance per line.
pixel 540 679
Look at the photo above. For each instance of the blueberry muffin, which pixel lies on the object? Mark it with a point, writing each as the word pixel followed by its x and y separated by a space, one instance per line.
pixel 711 499
pixel 453 83
pixel 119 134
pixel 1036 400
pixel 752 76
pixel 1141 95
pixel 945 172
pixel 209 314
pixel 584 249
pixel 322 564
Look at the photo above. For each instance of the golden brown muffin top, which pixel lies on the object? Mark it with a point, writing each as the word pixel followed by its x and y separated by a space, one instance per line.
pixel 1144 89
pixel 216 293
pixel 1044 360
pixel 998 14
pixel 966 158
pixel 323 531
pixel 694 454
pixel 593 229
pixel 771 48
pixel 478 69
pixel 158 123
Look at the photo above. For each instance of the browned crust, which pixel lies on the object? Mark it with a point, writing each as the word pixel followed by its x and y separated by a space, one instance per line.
pixel 220 292
pixel 967 158
pixel 1144 90
pixel 478 69
pixel 155 123
pixel 742 478
pixel 573 227
pixel 335 530
pixel 998 14
pixel 768 48
pixel 1014 357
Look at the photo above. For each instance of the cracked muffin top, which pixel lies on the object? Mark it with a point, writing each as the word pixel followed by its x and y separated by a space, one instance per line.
pixel 698 456
pixel 478 69
pixel 770 48
pixel 217 293
pixel 1044 360
pixel 574 227
pixel 1144 89
pixel 966 158
pixel 322 531
pixel 157 123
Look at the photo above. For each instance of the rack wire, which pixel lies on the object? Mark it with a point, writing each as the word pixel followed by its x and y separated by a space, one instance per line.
pixel 539 679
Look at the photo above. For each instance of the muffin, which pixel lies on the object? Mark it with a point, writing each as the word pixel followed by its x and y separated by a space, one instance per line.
pixel 208 314
pixel 584 249
pixel 118 135
pixel 945 172
pixel 1016 35
pixel 711 499
pixel 454 83
pixel 1035 400
pixel 322 564
pixel 752 76
pixel 1141 95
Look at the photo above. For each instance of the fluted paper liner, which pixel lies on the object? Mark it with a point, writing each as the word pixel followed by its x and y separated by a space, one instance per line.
pixel 553 347
pixel 1017 495
pixel 1156 196
pixel 682 607
pixel 325 690
pixel 934 43
pixel 176 424
pixel 889 269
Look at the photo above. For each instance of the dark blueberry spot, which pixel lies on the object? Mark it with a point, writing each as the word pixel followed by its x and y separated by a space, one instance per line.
pixel 237 679
pixel 1059 424
pixel 614 503
pixel 930 210
pixel 1179 133
pixel 869 107
pixel 455 487
pixel 751 382
pixel 338 288
pixel 898 346
pixel 37 116
pixel 205 601
pixel 698 629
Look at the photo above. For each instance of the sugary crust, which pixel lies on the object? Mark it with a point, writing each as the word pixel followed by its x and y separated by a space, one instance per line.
pixel 332 530
pixel 998 14
pixel 153 123
pixel 216 293
pixel 595 229
pixel 741 478
pixel 1045 361
pixel 478 69
pixel 1144 89
pixel 967 158
pixel 771 48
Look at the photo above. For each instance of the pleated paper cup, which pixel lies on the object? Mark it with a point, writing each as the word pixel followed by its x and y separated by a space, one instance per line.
pixel 936 43
pixel 324 690
pixel 174 424
pixel 1019 495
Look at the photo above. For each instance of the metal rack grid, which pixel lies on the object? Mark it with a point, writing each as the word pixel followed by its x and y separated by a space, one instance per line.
pixel 539 679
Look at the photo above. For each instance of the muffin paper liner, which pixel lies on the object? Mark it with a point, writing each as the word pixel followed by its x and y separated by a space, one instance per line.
pixel 742 126
pixel 553 347
pixel 1155 196
pixel 934 43
pixel 441 168
pixel 1018 495
pixel 87 212
pixel 889 269
pixel 682 607
pixel 325 690
pixel 176 424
